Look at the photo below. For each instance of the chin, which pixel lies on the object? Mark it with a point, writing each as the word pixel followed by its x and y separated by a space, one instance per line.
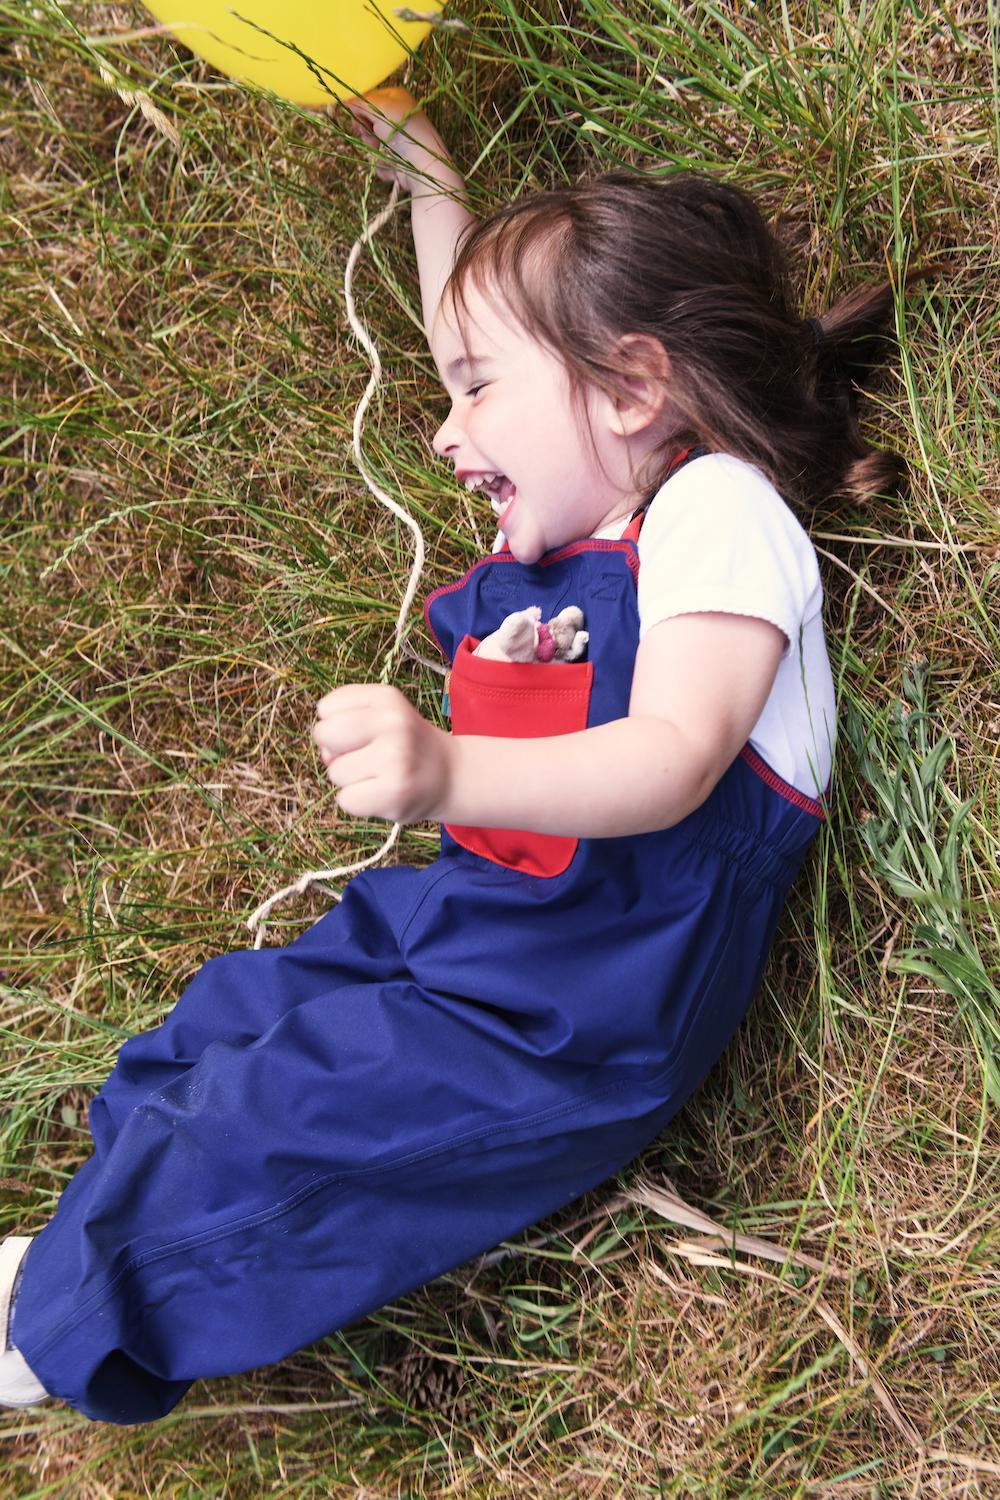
pixel 530 545
pixel 527 555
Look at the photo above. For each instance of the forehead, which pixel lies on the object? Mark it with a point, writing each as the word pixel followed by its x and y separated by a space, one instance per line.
pixel 482 331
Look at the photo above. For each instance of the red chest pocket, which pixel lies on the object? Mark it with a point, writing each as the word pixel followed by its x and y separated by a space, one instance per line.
pixel 518 700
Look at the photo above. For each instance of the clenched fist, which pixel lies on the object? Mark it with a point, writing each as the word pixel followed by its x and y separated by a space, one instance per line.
pixel 383 758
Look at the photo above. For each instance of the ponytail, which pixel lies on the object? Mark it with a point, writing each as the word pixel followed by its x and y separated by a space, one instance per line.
pixel 847 342
pixel 690 261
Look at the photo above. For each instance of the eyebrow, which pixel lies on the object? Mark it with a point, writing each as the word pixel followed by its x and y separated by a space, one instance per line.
pixel 458 365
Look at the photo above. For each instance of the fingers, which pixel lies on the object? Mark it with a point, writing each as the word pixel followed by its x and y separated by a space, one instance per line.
pixel 353 695
pixel 361 126
pixel 377 144
pixel 365 800
pixel 338 734
pixel 362 117
pixel 348 770
pixel 373 744
pixel 388 108
pixel 354 715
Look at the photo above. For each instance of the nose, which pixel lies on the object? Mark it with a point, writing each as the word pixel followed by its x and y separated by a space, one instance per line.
pixel 445 440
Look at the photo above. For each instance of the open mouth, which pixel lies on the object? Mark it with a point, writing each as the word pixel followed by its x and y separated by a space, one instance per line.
pixel 500 489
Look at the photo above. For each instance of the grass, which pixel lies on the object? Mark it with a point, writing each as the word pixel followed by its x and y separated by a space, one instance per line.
pixel 189 560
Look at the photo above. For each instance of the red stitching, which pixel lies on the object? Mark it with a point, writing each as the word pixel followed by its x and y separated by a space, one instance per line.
pixel 774 781
pixel 626 543
pixel 589 544
pixel 628 546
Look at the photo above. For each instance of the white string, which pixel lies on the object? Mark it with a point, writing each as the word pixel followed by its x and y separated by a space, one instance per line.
pixel 257 922
pixel 310 878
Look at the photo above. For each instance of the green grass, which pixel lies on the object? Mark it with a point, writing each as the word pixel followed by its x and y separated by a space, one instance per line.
pixel 189 559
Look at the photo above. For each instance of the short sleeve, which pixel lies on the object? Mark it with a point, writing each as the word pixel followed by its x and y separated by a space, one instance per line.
pixel 719 537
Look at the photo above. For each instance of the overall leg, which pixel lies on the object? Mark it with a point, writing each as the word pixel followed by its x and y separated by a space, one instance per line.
pixel 276 1190
pixel 236 997
pixel 309 1167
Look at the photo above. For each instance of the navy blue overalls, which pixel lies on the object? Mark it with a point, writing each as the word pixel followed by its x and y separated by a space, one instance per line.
pixel 449 1055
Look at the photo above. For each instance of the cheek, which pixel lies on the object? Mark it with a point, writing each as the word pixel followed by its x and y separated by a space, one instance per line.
pixel 481 422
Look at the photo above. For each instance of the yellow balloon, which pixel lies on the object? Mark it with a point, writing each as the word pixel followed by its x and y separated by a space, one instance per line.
pixel 351 42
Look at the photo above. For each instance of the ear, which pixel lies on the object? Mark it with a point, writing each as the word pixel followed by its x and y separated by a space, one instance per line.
pixel 644 382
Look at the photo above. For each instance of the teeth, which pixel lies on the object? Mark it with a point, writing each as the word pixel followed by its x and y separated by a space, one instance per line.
pixel 474 482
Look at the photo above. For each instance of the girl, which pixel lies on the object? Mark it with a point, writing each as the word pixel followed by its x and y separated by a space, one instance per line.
pixel 456 1051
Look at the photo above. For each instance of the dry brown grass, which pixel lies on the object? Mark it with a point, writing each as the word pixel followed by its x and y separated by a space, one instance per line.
pixel 189 560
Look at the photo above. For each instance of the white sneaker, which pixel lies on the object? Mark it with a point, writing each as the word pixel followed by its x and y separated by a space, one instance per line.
pixel 18 1386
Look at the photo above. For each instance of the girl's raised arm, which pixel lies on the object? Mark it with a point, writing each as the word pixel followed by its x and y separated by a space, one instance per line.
pixel 415 156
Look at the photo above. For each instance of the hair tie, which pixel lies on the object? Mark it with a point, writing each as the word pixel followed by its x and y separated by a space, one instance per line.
pixel 814 328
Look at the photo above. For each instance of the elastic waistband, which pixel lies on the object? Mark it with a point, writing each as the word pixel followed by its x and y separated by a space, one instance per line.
pixel 757 859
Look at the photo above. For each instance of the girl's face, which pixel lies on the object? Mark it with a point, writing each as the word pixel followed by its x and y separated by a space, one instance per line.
pixel 512 417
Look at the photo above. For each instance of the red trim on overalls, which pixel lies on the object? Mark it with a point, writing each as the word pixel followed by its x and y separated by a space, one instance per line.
pixel 589 544
pixel 760 768
pixel 748 754
pixel 628 543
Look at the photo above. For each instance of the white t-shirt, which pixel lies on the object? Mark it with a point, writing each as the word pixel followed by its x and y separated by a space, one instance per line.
pixel 718 536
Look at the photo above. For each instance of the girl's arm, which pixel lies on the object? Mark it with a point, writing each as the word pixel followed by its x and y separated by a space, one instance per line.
pixel 699 686
pixel 416 157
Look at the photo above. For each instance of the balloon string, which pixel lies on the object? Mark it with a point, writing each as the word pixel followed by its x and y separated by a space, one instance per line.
pixel 257 922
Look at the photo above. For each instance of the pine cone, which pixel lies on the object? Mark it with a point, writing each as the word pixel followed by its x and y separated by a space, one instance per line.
pixel 425 1381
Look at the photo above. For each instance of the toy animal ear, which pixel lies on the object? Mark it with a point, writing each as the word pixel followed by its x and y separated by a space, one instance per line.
pixel 643 383
pixel 515 637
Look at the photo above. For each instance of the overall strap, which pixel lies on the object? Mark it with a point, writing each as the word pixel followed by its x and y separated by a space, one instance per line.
pixel 685 456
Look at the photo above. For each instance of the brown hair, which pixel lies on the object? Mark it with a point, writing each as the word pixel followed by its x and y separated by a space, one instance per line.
pixel 690 261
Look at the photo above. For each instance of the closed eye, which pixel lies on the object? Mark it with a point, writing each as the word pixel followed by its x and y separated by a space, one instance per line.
pixel 475 389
